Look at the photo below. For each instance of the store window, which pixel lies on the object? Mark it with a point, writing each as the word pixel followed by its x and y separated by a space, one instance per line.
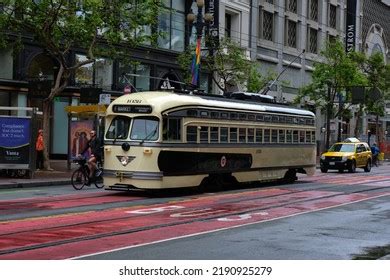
pixel 84 74
pixel 99 73
pixel 172 23
pixel 6 62
pixel 135 76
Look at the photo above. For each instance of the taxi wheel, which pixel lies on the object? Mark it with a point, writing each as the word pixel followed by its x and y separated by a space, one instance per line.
pixel 368 166
pixel 324 170
pixel 352 167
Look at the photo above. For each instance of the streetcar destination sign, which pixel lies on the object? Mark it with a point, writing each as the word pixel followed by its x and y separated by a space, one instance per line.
pixel 144 109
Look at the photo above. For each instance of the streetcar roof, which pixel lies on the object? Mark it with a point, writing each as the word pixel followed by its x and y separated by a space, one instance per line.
pixel 165 100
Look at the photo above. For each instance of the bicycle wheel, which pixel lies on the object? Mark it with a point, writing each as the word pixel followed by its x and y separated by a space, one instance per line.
pixel 99 182
pixel 79 179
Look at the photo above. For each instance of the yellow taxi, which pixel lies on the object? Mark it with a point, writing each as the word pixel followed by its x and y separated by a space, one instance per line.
pixel 350 154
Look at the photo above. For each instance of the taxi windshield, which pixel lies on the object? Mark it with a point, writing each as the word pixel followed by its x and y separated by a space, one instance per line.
pixel 342 148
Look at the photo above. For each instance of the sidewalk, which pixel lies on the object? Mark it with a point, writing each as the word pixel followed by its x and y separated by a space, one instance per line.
pixel 59 176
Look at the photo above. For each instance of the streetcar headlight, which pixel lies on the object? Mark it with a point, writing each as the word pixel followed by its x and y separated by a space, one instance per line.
pixel 124 160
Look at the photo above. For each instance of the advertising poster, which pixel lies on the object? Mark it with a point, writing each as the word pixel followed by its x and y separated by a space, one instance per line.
pixel 79 136
pixel 14 141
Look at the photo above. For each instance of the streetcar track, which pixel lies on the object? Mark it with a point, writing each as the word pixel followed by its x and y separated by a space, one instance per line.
pixel 158 226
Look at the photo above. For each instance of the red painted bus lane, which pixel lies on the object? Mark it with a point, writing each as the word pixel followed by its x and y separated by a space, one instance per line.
pixel 10 227
pixel 172 227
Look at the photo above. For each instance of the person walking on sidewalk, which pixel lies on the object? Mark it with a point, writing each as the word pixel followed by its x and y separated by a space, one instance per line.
pixel 39 146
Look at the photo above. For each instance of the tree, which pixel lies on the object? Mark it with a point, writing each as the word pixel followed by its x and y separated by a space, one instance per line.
pixel 331 80
pixel 228 64
pixel 377 84
pixel 102 28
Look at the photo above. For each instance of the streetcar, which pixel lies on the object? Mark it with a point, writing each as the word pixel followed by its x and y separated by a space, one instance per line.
pixel 165 139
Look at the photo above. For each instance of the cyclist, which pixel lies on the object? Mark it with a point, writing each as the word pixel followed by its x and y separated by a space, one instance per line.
pixel 94 145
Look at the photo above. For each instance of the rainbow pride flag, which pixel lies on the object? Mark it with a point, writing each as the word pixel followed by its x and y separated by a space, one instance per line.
pixel 196 63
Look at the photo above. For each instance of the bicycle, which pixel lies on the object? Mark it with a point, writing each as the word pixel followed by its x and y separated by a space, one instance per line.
pixel 80 176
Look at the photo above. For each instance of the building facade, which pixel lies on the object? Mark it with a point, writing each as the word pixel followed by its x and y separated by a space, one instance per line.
pixel 275 33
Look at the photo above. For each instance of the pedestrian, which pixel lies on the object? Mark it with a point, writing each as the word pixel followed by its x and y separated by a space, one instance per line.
pixel 39 146
pixel 375 154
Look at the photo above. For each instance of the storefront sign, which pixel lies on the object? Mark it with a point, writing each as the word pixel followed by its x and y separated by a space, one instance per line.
pixel 212 7
pixel 350 30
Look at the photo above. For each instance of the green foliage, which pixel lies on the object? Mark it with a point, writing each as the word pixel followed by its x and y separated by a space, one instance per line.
pixel 257 82
pixel 101 28
pixel 377 74
pixel 336 73
pixel 228 62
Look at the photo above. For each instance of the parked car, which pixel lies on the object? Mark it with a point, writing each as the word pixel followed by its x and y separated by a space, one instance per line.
pixel 349 154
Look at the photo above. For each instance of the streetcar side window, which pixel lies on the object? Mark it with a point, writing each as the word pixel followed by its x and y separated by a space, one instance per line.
pixel 295 136
pixel 282 136
pixel 144 129
pixel 251 135
pixel 224 135
pixel 119 128
pixel 313 137
pixel 267 135
pixel 192 134
pixel 259 135
pixel 308 136
pixel 233 135
pixel 214 134
pixel 171 129
pixel 204 134
pixel 289 136
pixel 242 135
pixel 274 136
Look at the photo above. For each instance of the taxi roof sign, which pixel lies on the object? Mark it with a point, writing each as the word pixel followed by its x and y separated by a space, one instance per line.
pixel 352 140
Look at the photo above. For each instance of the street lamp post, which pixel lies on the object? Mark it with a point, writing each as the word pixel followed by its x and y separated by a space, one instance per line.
pixel 199 24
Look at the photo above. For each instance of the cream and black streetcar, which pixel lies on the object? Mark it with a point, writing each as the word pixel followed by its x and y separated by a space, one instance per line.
pixel 162 139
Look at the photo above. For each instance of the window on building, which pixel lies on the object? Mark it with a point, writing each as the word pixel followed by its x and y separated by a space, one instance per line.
pixel 103 73
pixel 171 23
pixel 139 78
pixel 291 6
pixel 313 10
pixel 332 15
pixel 291 34
pixel 84 74
pixel 270 1
pixel 313 40
pixel 267 28
pixel 228 25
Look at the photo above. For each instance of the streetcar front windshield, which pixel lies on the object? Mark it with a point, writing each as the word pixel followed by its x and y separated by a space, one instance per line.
pixel 144 128
pixel 119 128
pixel 342 148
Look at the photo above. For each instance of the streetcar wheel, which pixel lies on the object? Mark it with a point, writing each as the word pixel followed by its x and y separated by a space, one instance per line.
pixel 290 176
pixel 368 166
pixel 352 167
pixel 324 170
pixel 79 179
